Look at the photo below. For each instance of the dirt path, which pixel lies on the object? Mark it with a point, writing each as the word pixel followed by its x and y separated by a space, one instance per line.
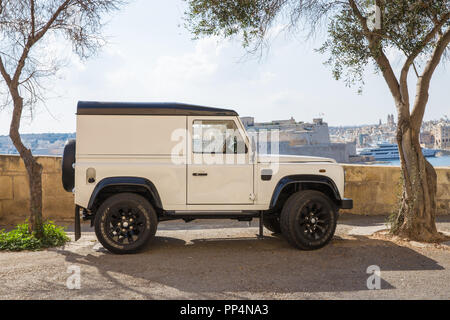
pixel 205 262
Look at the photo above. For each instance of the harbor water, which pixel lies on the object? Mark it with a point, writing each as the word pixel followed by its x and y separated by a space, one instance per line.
pixel 443 161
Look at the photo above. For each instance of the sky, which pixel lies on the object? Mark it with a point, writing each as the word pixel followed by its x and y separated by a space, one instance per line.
pixel 151 57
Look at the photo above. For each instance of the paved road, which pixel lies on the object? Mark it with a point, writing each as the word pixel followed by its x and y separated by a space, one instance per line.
pixel 204 260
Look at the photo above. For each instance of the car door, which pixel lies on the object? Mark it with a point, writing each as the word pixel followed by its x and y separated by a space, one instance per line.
pixel 219 169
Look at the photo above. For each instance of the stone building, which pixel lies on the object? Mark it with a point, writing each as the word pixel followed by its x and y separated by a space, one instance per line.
pixel 292 131
pixel 390 120
pixel 299 138
pixel 441 133
pixel 248 121
pixel 427 140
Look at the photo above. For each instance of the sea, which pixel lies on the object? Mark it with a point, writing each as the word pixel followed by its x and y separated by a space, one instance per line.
pixel 443 161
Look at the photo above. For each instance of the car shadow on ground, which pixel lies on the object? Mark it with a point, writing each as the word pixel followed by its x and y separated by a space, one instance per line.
pixel 251 265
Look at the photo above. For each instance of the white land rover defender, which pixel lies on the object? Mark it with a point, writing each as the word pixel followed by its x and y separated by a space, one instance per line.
pixel 137 164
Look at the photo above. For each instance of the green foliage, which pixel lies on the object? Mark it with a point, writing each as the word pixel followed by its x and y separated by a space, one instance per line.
pixel 21 239
pixel 348 49
pixel 225 18
pixel 405 27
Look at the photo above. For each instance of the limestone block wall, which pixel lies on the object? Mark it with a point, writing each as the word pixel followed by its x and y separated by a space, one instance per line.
pixel 14 191
pixel 374 190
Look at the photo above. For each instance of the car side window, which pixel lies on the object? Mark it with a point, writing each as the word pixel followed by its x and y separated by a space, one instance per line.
pixel 217 137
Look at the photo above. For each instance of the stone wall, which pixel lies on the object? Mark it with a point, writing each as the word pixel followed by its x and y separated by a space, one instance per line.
pixel 338 151
pixel 374 190
pixel 14 191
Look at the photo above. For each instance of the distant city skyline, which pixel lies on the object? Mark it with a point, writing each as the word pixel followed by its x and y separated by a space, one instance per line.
pixel 294 137
pixel 151 57
pixel 375 123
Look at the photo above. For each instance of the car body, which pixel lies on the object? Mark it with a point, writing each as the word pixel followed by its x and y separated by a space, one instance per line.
pixel 188 162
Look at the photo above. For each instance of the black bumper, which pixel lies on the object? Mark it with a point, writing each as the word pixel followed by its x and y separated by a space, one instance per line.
pixel 346 204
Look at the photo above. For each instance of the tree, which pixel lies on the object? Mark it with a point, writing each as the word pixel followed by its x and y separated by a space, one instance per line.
pixel 28 28
pixel 359 33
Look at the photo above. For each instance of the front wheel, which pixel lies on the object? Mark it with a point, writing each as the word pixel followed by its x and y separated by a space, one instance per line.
pixel 125 222
pixel 308 220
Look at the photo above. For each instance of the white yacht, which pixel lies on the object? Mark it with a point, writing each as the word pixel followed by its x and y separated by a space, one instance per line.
pixel 389 151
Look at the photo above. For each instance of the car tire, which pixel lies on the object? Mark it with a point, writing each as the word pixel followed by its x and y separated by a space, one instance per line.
pixel 272 223
pixel 125 223
pixel 308 220
pixel 67 169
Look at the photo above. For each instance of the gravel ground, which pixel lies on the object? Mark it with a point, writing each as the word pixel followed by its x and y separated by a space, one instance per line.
pixel 224 260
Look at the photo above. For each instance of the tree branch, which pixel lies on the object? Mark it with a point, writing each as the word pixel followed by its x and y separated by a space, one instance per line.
pixel 415 70
pixel 410 59
pixel 33 21
pixel 49 23
pixel 32 39
pixel 21 62
pixel 438 25
pixel 379 56
pixel 423 84
pixel 4 73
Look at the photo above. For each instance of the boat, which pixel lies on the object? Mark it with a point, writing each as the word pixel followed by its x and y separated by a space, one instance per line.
pixel 389 151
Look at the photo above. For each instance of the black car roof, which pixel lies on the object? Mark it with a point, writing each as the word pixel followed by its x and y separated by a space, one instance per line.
pixel 149 108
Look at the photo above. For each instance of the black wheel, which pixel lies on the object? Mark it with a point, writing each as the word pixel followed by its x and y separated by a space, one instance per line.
pixel 272 223
pixel 125 222
pixel 68 172
pixel 308 220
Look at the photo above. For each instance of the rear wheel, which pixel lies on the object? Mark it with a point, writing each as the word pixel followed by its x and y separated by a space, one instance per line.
pixel 272 223
pixel 308 220
pixel 125 222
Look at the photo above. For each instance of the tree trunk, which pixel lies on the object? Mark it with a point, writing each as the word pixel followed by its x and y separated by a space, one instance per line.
pixel 416 217
pixel 34 169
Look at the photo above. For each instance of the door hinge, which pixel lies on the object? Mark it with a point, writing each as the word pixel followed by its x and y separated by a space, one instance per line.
pixel 252 196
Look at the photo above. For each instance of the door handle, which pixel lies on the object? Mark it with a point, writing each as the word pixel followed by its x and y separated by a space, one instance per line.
pixel 199 174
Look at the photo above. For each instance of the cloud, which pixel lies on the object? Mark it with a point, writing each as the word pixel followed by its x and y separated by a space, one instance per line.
pixel 56 49
pixel 166 74
pixel 194 66
pixel 265 78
